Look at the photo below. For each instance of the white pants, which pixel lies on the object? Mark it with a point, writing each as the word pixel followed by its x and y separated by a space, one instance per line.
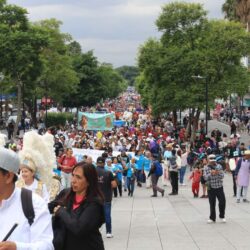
pixel 66 180
pixel 244 193
pixel 164 177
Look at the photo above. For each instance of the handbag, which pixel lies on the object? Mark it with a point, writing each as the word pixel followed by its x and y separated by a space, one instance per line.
pixel 232 164
pixel 142 177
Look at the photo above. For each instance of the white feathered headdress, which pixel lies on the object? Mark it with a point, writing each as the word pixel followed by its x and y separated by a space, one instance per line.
pixel 38 153
pixel 2 140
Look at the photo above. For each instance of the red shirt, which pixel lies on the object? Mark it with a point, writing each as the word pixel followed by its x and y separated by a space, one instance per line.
pixel 77 201
pixel 196 176
pixel 67 161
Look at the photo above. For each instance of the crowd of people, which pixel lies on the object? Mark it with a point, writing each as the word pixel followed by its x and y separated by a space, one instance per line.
pixel 77 190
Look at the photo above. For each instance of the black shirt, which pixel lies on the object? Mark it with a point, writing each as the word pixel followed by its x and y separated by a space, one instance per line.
pixel 58 145
pixel 104 180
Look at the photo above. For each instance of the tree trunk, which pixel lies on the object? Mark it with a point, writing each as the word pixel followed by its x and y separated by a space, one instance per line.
pixel 175 118
pixel 189 125
pixel 195 124
pixel 34 111
pixel 19 105
pixel 6 108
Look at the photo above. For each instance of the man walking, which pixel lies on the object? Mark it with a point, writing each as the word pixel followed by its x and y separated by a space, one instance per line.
pixel 66 164
pixel 26 235
pixel 213 174
pixel 155 176
pixel 106 183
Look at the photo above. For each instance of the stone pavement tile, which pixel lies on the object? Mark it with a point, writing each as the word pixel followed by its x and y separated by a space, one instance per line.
pixel 208 236
pixel 144 248
pixel 177 222
pixel 244 223
pixel 235 233
pixel 181 245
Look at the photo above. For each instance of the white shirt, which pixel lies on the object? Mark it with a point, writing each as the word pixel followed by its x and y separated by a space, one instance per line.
pixel 33 187
pixel 39 235
pixel 184 159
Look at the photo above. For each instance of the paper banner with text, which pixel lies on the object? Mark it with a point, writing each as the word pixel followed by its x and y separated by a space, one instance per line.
pixel 79 153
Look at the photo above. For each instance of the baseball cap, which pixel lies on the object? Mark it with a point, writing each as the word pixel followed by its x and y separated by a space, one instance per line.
pixel 247 152
pixel 100 160
pixel 9 160
pixel 212 157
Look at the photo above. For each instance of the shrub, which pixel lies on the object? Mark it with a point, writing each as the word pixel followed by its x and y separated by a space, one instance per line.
pixel 58 119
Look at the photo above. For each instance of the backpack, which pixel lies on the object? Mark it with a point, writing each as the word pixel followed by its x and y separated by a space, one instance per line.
pixel 158 168
pixel 27 205
pixel 172 162
pixel 190 158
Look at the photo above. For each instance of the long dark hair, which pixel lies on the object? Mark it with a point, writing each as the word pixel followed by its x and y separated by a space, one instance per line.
pixel 93 190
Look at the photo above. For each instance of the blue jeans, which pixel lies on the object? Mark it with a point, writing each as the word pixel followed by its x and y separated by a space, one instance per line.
pixel 139 176
pixel 131 185
pixel 182 173
pixel 107 211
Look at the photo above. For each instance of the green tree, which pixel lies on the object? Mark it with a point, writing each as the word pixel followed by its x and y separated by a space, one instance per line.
pixel 229 10
pixel 191 45
pixel 129 73
pixel 237 10
pixel 96 81
pixel 56 77
pixel 20 46
pixel 113 82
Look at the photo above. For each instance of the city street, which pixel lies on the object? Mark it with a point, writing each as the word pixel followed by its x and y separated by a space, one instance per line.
pixel 177 222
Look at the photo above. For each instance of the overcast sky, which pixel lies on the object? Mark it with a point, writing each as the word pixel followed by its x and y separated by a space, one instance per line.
pixel 114 29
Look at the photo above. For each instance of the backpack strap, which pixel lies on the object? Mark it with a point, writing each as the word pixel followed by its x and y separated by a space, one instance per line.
pixel 27 205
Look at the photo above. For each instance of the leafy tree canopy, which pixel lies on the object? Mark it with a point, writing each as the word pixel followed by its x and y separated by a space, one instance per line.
pixel 191 45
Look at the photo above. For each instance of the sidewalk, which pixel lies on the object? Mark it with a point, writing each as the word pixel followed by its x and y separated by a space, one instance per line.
pixel 176 222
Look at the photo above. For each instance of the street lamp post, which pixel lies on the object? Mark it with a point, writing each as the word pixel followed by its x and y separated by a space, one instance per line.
pixel 206 98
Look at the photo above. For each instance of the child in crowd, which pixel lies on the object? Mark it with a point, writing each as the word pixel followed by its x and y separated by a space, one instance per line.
pixel 196 177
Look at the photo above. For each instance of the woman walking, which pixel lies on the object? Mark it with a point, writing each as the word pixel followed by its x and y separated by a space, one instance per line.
pixel 79 212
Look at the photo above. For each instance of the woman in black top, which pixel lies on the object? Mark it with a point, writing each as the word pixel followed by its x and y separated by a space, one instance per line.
pixel 79 212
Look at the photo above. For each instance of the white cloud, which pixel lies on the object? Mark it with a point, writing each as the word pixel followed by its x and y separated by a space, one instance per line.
pixel 137 9
pixel 117 52
pixel 112 28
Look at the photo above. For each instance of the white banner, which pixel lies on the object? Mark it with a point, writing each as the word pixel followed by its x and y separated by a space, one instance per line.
pixel 79 153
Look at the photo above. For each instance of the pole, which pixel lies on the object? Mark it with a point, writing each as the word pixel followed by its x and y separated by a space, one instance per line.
pixel 206 97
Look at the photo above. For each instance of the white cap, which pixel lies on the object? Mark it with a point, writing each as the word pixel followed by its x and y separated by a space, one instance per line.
pixel 9 160
pixel 212 157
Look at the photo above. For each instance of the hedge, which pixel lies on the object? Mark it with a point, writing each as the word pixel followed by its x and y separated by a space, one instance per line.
pixel 58 119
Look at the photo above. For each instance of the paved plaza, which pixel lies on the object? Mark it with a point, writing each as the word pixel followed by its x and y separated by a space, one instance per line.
pixel 177 222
